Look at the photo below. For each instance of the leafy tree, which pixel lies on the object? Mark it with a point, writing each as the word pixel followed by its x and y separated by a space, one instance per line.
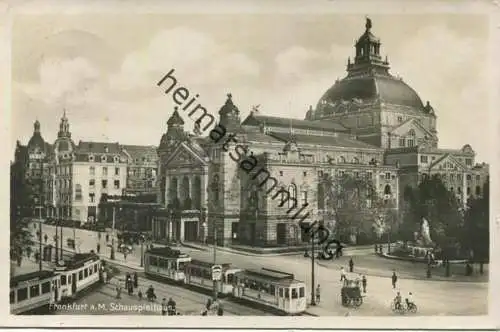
pixel 476 233
pixel 22 201
pixel 433 201
pixel 356 207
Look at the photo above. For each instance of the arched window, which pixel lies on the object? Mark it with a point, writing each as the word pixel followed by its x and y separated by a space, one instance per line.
pixel 387 190
pixel 292 202
pixel 411 133
pixel 355 160
pixel 341 160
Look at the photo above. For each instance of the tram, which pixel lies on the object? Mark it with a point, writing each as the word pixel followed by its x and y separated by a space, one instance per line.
pixel 166 263
pixel 31 293
pixel 271 288
pixel 75 275
pixel 199 274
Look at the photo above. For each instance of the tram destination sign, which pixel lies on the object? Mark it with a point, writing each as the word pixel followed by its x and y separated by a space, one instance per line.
pixel 216 272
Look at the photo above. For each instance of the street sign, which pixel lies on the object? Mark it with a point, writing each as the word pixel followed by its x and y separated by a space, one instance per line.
pixel 216 272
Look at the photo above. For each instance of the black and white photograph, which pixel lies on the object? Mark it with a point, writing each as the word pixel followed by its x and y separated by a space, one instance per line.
pixel 293 163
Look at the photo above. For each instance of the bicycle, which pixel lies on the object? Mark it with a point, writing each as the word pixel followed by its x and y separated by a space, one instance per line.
pixel 403 308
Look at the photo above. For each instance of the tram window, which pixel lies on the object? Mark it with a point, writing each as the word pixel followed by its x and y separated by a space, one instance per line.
pixel 294 293
pixel 46 287
pixel 69 279
pixel 12 297
pixel 272 290
pixel 162 263
pixel 153 261
pixel 34 290
pixel 80 275
pixel 281 292
pixel 182 266
pixel 95 268
pixel 302 292
pixel 91 270
pixel 287 293
pixel 207 275
pixel 22 294
pixel 63 280
pixel 230 278
pixel 85 273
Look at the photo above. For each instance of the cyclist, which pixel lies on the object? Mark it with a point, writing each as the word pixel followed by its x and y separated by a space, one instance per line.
pixel 409 300
pixel 397 301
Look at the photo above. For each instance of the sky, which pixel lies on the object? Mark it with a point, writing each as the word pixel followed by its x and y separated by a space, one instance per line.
pixel 103 68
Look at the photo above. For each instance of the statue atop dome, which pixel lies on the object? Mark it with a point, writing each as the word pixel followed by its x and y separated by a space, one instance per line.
pixel 368 24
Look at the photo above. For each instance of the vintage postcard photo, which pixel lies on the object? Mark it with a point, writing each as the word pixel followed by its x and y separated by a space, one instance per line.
pixel 267 162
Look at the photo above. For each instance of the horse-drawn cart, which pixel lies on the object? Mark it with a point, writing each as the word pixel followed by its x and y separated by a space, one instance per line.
pixel 351 295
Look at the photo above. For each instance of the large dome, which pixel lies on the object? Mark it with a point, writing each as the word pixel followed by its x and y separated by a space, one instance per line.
pixel 370 88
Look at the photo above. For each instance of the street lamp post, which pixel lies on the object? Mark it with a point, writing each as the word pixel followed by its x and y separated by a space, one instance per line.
pixel 112 256
pixel 40 237
pixel 313 254
pixel 215 259
pixel 142 249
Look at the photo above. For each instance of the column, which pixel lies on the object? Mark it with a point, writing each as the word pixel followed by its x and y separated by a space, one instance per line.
pixel 182 229
pixel 191 190
pixel 166 189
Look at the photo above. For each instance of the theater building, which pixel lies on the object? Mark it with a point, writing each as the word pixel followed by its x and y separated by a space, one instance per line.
pixel 369 124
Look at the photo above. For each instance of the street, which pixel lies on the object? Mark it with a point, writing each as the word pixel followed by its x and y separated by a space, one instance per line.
pixel 431 296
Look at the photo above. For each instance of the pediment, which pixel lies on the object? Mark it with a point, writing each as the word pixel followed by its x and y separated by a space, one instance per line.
pixel 447 163
pixel 412 124
pixel 184 156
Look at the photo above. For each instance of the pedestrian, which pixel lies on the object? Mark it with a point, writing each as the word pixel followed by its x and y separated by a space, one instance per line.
pixel 394 279
pixel 28 252
pixel 45 237
pixel 363 282
pixel 139 294
pixel 136 280
pixel 107 238
pixel 351 265
pixel 318 296
pixel 118 292
pixel 163 307
pixel 98 248
pixel 342 274
pixel 124 254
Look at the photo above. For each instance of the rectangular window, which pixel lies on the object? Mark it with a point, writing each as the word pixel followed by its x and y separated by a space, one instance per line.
pixel 104 184
pixel 469 177
pixel 281 292
pixel 22 294
pixel 34 290
pixel 92 183
pixel 302 292
pixel 287 293
pixel 401 142
pixel 423 159
pixel 80 275
pixel 478 178
pixel 411 143
pixel 63 280
pixel 105 171
pixel 117 184
pixel 92 198
pixel 95 268
pixel 294 293
pixel 320 174
pixel 304 197
pixel 387 176
pixel 92 170
pixel 46 287
pixel 117 171
pixel 85 273
pixel 468 190
pixel 12 297
pixel 468 162
pixel 369 175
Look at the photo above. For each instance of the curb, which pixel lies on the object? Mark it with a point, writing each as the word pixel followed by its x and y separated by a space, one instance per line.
pixel 413 259
pixel 411 277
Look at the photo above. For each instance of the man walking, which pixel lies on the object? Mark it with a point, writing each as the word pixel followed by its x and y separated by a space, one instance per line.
pixel 363 283
pixel 318 292
pixel 394 279
pixel 98 248
pixel 351 265
pixel 342 274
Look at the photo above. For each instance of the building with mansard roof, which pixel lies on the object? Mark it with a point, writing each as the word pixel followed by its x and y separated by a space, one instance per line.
pixel 369 124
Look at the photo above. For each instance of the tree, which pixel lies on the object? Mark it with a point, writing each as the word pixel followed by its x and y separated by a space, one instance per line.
pixel 439 206
pixel 476 233
pixel 22 201
pixel 355 206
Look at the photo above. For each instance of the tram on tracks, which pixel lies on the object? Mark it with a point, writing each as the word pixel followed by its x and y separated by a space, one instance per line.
pixel 32 293
pixel 271 288
pixel 199 274
pixel 76 275
pixel 166 263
